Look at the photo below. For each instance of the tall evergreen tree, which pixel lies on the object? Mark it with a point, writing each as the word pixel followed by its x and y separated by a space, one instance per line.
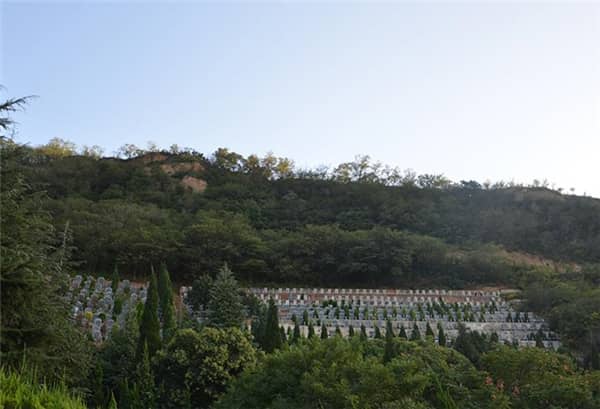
pixel 338 331
pixel 282 336
pixel 441 335
pixel 429 332
pixel 416 334
pixel 169 322
pixel 388 352
pixel 296 334
pixel 199 296
pixel 324 334
pixel 311 330
pixel 402 333
pixel 149 324
pixel 225 307
pixel 114 281
pixel 363 333
pixel 350 331
pixel 377 333
pixel 271 338
pixel 389 329
pixel 165 288
pixel 146 390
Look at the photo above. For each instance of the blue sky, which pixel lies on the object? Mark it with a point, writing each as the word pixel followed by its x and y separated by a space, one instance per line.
pixel 475 90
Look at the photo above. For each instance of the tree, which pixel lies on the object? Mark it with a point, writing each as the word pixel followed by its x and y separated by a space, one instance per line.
pixel 296 334
pixel 199 295
pixel 146 390
pixel 363 333
pixel 271 338
pixel 441 335
pixel 225 307
pixel 350 331
pixel 402 333
pixel 429 332
pixel 35 327
pixel 165 288
pixel 388 352
pixel 415 334
pixel 324 334
pixel 169 322
pixel 377 333
pixel 311 331
pixel 196 367
pixel 115 279
pixel 149 323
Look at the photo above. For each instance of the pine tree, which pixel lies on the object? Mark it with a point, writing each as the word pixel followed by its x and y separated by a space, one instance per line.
pixel 311 331
pixel 338 331
pixel 149 325
pixel 324 334
pixel 305 317
pixel 271 338
pixel 282 336
pixel 115 279
pixel 416 334
pixel 296 335
pixel 350 331
pixel 377 332
pixel 363 333
pixel 441 335
pixel 402 333
pixel 225 307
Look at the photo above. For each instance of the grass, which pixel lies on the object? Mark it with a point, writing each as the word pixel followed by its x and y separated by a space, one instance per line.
pixel 23 391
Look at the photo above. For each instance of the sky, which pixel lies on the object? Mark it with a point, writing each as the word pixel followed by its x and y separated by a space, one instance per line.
pixel 473 90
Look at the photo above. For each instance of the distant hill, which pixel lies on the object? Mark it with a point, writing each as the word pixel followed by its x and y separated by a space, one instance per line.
pixel 358 224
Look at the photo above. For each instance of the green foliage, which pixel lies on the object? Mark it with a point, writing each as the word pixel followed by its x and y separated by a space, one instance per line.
pixel 340 373
pixel 196 367
pixel 165 288
pixel 199 295
pixel 34 325
pixel 24 391
pixel 225 307
pixel 271 338
pixel 150 324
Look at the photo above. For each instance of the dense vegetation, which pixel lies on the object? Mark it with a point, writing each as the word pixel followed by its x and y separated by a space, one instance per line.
pixel 357 225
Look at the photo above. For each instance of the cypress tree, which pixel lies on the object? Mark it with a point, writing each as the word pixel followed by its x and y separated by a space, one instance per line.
pixel 350 331
pixel 169 322
pixel 389 329
pixel 282 336
pixel 165 288
pixel 296 334
pixel 377 332
pixel 429 332
pixel 539 339
pixel 338 331
pixel 305 317
pixel 145 380
pixel 149 325
pixel 402 333
pixel 225 307
pixel 311 330
pixel 113 402
pixel 324 334
pixel 114 281
pixel 125 396
pixel 416 334
pixel 363 333
pixel 271 339
pixel 441 335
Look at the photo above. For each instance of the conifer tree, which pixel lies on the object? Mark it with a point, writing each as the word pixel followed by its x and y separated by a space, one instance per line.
pixel 282 336
pixel 311 330
pixel 441 335
pixel 113 402
pixel 271 338
pixel 115 279
pixel 324 334
pixel 402 333
pixel 416 334
pixel 338 331
pixel 149 325
pixel 377 332
pixel 350 331
pixel 363 333
pixel 296 334
pixel 305 317
pixel 165 288
pixel 225 307
pixel 125 396
pixel 145 381
pixel 389 329
pixel 429 332
pixel 169 322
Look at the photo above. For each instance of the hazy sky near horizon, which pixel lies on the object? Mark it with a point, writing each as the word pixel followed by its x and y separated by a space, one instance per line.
pixel 476 90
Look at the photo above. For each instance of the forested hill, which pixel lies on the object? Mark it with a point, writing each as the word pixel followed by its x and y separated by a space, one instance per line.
pixel 358 224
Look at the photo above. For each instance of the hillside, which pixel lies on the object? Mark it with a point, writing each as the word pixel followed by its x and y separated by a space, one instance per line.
pixel 358 224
